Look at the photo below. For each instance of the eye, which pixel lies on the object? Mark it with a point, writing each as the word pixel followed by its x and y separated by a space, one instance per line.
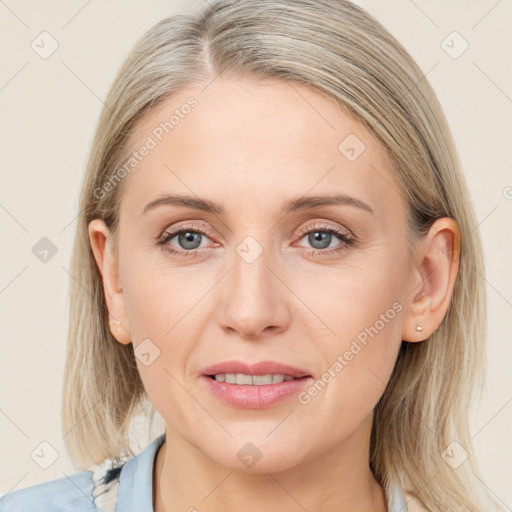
pixel 321 237
pixel 186 241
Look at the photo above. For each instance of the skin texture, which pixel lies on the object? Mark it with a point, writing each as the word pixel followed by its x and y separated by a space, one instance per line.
pixel 250 147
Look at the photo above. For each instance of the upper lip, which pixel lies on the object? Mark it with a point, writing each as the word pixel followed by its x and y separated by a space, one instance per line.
pixel 261 368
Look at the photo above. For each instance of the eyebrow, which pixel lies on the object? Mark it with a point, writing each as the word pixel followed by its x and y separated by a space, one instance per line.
pixel 302 203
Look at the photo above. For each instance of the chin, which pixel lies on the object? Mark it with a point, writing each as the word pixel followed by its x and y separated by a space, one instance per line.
pixel 254 458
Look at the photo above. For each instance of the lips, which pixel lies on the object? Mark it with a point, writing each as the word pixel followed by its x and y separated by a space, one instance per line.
pixel 261 368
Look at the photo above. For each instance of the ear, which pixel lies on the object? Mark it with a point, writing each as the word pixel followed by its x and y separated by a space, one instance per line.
pixel 433 277
pixel 109 270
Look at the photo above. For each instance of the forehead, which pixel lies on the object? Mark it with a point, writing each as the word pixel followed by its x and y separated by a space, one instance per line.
pixel 239 140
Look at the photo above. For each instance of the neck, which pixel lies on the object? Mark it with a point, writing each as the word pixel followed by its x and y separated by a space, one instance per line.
pixel 338 479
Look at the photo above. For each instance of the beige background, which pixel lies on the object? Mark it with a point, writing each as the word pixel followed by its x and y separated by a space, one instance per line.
pixel 49 108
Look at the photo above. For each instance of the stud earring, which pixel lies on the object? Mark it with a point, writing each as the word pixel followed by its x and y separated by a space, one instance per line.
pixel 419 328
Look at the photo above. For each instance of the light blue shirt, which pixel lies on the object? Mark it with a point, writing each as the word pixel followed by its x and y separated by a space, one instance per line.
pixel 131 490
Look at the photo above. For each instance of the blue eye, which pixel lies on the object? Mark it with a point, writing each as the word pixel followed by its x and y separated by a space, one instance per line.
pixel 320 238
pixel 188 241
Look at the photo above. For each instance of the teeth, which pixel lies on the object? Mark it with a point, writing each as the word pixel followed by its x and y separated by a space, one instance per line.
pixel 252 380
pixel 243 379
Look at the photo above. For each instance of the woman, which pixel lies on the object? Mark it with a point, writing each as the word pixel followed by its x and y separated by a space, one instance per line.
pixel 278 239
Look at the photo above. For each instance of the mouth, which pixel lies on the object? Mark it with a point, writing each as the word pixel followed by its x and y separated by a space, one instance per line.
pixel 254 374
pixel 243 379
pixel 255 386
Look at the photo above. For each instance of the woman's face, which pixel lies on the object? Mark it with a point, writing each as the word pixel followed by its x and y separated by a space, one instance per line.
pixel 266 276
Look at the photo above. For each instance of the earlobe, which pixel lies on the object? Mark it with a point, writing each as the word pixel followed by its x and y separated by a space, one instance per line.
pixel 112 288
pixel 432 280
pixel 120 331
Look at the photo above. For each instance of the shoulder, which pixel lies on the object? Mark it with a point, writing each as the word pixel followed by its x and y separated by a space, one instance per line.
pixel 72 492
pixel 413 504
pixel 102 487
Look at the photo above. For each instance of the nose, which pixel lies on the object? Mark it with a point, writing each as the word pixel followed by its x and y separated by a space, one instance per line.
pixel 254 300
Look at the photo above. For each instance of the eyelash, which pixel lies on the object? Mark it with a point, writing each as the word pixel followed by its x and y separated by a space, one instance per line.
pixel 348 239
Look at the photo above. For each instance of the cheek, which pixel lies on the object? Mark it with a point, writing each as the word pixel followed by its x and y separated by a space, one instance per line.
pixel 164 328
pixel 166 306
pixel 354 296
pixel 361 308
pixel 158 295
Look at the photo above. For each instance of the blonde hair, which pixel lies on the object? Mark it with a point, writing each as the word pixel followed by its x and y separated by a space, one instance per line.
pixel 338 49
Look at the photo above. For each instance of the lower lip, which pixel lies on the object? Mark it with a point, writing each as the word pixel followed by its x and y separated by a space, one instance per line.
pixel 255 397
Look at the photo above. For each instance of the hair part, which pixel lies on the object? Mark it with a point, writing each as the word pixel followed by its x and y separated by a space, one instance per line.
pixel 340 50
